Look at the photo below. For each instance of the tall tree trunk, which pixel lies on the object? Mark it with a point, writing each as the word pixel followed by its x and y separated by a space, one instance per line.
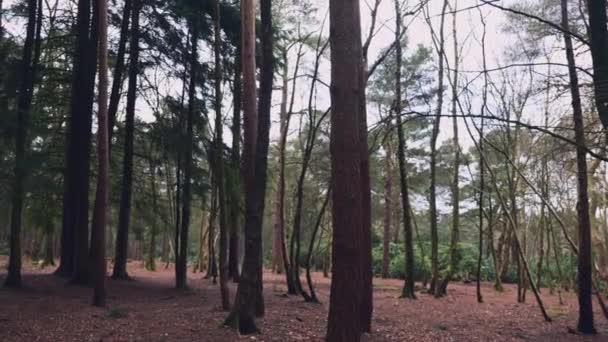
pixel 367 306
pixel 151 255
pixel 279 210
pixel 294 286
pixel 49 255
pixel 236 183
pixel 455 236
pixel 219 159
pixel 311 288
pixel 388 209
pixel 1 26
pixel 482 171
pixel 585 304
pixel 408 287
pixel 249 301
pixel 434 136
pixel 124 216
pixel 345 312
pixel 178 171
pixel 213 211
pixel 297 221
pixel 117 77
pixel 24 102
pixel 181 266
pixel 100 215
pixel 598 32
pixel 74 238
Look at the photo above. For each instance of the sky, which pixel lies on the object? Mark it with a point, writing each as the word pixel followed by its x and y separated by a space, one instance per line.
pixel 469 31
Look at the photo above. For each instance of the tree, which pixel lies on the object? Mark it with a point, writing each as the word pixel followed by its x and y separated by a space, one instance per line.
pixel 124 215
pixel 585 318
pixel 98 240
pixel 74 258
pixel 117 76
pixel 24 102
pixel 219 158
pixel 388 208
pixel 235 184
pixel 249 301
pixel 344 322
pixel 408 287
pixel 455 234
pixel 598 32
pixel 181 263
pixel 439 46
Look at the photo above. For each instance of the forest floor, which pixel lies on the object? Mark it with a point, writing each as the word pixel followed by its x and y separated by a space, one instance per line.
pixel 149 309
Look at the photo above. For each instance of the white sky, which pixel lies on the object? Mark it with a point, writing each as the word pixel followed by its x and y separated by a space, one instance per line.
pixel 469 30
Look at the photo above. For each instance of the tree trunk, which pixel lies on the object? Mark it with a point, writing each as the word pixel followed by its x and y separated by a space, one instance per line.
pixel 482 176
pixel 388 210
pixel 236 183
pixel 219 159
pixel 151 255
pixel 345 312
pixel 598 32
pixel 311 288
pixel 49 234
pixel 211 259
pixel 455 236
pixel 279 210
pixel 24 102
pixel 297 221
pixel 75 240
pixel 100 215
pixel 367 306
pixel 181 266
pixel 585 304
pixel 434 136
pixel 117 77
pixel 294 286
pixel 249 301
pixel 408 287
pixel 124 216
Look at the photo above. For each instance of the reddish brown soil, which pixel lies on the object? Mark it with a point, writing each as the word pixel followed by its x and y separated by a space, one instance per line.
pixel 149 309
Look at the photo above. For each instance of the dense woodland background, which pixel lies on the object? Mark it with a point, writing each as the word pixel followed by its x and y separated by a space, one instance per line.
pixel 461 141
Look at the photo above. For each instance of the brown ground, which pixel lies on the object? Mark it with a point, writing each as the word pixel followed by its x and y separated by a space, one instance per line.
pixel 148 309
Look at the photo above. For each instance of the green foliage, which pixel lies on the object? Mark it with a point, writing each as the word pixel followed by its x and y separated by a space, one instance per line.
pixel 397 262
pixel 116 313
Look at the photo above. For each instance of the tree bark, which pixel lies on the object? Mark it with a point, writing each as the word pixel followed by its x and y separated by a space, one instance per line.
pixel 151 255
pixel 98 240
pixel 24 102
pixel 124 216
pixel 313 127
pixel 236 183
pixel 292 266
pixel 388 210
pixel 434 136
pixel 249 301
pixel 482 172
pixel 117 77
pixel 181 266
pixel 311 288
pixel 219 159
pixel 455 234
pixel 345 312
pixel 279 210
pixel 585 304
pixel 74 240
pixel 408 286
pixel 598 32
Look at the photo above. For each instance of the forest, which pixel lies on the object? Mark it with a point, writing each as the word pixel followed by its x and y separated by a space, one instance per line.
pixel 303 170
